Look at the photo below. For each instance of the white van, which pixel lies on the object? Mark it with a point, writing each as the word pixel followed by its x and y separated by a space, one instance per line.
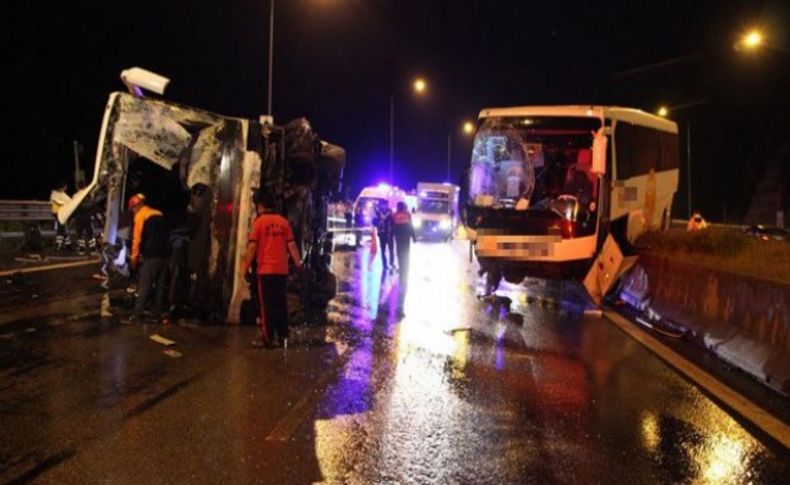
pixel 437 210
pixel 370 197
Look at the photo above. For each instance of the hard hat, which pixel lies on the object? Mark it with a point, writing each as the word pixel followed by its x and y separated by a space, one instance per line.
pixel 136 200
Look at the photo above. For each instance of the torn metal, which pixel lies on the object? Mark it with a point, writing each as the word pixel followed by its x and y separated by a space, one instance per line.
pixel 201 169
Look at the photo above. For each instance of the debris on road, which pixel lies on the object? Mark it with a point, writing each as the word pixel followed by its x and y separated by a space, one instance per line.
pixel 161 340
pixel 172 353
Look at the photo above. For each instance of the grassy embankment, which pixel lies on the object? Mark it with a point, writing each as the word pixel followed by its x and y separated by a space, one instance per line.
pixel 726 249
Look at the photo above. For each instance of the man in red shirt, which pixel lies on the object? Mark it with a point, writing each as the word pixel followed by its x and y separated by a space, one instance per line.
pixel 271 240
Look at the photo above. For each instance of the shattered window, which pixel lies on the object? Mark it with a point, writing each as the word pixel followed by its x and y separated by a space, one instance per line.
pixel 530 161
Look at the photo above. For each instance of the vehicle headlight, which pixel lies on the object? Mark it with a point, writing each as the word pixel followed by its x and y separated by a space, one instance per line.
pixel 416 222
pixel 445 224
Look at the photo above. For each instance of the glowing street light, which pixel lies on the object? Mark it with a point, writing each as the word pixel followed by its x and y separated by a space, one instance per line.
pixel 469 128
pixel 750 41
pixel 420 85
pixel 753 39
pixel 663 111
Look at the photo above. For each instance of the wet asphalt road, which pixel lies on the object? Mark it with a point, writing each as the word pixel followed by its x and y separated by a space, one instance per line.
pixel 455 391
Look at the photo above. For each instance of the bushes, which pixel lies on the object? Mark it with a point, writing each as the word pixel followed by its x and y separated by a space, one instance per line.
pixel 722 248
pixel 718 241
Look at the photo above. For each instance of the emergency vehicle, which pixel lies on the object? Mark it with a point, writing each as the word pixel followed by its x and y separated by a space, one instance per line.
pixel 437 210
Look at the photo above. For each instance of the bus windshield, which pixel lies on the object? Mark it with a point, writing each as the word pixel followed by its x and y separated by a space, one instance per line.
pixel 528 162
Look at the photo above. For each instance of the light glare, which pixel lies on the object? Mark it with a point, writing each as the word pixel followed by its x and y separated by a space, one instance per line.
pixel 420 85
pixel 753 39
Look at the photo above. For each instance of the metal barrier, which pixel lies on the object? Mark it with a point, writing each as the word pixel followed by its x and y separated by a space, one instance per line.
pixel 26 212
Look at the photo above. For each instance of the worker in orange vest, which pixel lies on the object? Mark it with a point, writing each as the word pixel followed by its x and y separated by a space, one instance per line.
pixel 696 223
pixel 403 230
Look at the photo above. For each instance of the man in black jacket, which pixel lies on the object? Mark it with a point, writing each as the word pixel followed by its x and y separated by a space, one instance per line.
pixel 383 223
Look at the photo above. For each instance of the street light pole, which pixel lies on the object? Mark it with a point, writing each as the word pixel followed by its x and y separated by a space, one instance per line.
pixel 419 88
pixel 392 135
pixel 271 56
pixel 449 152
pixel 688 162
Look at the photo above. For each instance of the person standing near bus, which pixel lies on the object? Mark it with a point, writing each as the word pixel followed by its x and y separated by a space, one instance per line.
pixel 150 250
pixel 383 223
pixel 270 242
pixel 403 231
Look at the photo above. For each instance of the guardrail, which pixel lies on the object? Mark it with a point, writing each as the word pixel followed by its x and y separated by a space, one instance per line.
pixel 25 210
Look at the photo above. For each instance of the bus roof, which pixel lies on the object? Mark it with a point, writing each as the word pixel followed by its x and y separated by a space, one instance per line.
pixel 630 115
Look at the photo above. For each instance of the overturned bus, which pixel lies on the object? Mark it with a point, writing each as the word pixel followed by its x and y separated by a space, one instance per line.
pixel 201 169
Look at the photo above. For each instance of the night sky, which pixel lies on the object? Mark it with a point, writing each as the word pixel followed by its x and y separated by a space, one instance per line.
pixel 338 61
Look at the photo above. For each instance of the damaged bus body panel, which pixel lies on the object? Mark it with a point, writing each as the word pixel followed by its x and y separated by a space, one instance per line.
pixel 201 170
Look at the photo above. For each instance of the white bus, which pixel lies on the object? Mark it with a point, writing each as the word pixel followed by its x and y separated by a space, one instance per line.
pixel 547 184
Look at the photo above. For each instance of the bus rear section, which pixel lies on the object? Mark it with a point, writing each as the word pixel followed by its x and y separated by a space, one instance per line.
pixel 541 184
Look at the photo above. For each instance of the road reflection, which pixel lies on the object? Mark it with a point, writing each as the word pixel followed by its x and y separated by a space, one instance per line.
pixel 453 391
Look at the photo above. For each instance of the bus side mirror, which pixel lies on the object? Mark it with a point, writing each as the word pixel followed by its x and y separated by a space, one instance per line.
pixel 599 153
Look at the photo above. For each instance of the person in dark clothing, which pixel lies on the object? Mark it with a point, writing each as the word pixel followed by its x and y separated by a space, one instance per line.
pixel 404 235
pixel 383 223
pixel 348 213
pixel 150 249
pixel 86 240
pixel 271 241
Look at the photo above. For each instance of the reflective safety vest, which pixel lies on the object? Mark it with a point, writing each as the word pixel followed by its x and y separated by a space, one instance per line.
pixel 401 218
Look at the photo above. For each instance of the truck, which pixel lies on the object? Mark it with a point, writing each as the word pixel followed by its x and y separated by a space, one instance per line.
pixel 201 170
pixel 436 213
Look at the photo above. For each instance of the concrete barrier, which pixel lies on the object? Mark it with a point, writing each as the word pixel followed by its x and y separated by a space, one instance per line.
pixel 744 320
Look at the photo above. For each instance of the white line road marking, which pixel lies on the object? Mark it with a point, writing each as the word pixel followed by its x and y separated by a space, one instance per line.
pixel 750 411
pixel 49 267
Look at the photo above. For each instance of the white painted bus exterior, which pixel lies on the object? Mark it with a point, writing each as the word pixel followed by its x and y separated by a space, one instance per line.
pixel 548 183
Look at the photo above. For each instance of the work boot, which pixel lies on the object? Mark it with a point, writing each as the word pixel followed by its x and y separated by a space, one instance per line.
pixel 259 343
pixel 131 320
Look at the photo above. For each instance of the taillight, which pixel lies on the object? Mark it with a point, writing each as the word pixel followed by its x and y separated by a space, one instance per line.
pixel 567 228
